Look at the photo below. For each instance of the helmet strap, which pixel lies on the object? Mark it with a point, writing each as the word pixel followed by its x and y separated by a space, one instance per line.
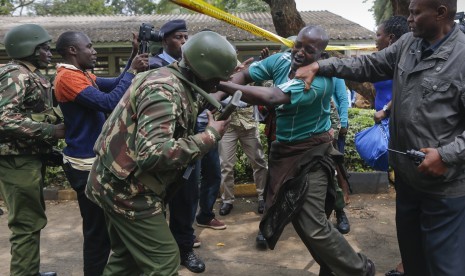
pixel 183 65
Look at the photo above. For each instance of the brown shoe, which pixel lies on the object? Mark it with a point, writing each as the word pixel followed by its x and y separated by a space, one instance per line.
pixel 213 224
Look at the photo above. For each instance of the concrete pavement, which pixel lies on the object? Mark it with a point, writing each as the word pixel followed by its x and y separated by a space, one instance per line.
pixel 232 251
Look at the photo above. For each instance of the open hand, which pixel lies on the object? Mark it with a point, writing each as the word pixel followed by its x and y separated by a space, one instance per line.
pixel 307 74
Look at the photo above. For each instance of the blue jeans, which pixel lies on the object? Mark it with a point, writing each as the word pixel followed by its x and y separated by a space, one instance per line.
pixel 96 241
pixel 430 231
pixel 210 182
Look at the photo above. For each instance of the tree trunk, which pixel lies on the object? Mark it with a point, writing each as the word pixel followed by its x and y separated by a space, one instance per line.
pixel 286 19
pixel 400 7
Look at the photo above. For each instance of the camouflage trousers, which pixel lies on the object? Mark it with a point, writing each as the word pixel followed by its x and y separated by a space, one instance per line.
pixel 141 247
pixel 21 183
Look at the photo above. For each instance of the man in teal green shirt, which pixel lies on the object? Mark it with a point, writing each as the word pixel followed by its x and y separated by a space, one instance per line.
pixel 301 162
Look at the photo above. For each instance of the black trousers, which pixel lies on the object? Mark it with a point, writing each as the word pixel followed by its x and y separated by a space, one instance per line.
pixel 183 207
pixel 96 247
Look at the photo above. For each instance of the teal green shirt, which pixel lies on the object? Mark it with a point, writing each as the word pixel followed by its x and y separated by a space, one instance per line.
pixel 309 110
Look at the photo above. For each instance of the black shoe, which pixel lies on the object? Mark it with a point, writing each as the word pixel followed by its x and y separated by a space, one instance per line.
pixel 261 241
pixel 371 269
pixel 394 272
pixel 47 274
pixel 261 206
pixel 192 262
pixel 1 212
pixel 226 209
pixel 342 222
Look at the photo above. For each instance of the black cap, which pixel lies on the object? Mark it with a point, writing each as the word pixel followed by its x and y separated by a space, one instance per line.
pixel 172 26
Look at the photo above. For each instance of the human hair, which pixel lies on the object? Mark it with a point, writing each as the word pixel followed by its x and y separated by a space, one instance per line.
pixel 451 6
pixel 67 39
pixel 396 25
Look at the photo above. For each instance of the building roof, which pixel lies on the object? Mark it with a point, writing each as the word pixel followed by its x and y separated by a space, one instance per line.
pixel 117 28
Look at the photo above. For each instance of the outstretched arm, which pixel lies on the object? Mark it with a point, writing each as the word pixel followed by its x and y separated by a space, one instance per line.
pixel 257 95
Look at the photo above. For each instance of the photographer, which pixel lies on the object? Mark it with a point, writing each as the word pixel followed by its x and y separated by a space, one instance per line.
pixel 172 35
pixel 85 100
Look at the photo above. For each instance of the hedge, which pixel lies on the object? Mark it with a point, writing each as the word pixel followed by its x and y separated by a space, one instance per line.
pixel 358 119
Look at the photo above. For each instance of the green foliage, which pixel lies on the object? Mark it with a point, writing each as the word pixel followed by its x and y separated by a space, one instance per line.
pixel 359 119
pixel 6 7
pixel 241 5
pixel 133 7
pixel 55 176
pixel 72 7
pixel 243 172
pixel 382 9
pixel 126 7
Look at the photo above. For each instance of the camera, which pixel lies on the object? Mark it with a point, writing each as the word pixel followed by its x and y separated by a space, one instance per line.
pixel 460 16
pixel 148 33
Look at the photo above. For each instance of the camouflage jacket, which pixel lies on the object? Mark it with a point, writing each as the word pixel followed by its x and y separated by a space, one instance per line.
pixel 243 117
pixel 24 92
pixel 146 145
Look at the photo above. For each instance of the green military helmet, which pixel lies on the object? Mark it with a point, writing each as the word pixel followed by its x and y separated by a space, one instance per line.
pixel 210 56
pixel 21 41
pixel 284 48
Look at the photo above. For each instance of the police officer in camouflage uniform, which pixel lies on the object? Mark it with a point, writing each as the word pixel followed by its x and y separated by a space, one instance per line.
pixel 144 149
pixel 28 130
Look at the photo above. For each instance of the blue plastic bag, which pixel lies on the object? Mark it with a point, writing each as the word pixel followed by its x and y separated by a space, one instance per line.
pixel 372 145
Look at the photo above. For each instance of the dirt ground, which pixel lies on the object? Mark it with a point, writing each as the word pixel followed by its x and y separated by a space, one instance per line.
pixel 232 251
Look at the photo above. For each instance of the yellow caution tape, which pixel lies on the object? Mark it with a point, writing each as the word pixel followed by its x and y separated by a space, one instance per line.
pixel 353 47
pixel 210 10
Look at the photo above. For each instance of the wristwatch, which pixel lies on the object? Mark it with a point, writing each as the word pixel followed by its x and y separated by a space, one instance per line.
pixel 132 71
pixel 385 108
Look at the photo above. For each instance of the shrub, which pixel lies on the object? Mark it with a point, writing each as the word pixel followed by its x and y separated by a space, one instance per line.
pixel 359 119
pixel 55 176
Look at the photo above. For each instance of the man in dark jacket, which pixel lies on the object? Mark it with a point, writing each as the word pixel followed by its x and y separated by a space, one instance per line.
pixel 428 114
pixel 85 99
pixel 173 35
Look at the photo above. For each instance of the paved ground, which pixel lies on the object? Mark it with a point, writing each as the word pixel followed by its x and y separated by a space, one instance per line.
pixel 232 251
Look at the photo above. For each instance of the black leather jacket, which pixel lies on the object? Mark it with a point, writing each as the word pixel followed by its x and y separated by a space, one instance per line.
pixel 428 105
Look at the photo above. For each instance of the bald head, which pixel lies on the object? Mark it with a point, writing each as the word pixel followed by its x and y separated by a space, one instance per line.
pixel 316 34
pixel 309 44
